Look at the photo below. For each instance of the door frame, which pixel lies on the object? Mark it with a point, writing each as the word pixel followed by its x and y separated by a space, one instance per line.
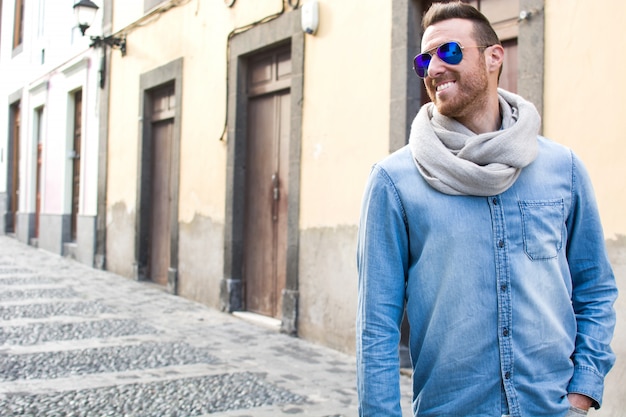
pixel 283 30
pixel 158 77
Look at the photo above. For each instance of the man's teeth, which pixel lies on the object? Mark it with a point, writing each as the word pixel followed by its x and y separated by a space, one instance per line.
pixel 443 86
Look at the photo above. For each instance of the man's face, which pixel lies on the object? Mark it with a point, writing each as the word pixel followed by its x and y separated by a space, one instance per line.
pixel 458 91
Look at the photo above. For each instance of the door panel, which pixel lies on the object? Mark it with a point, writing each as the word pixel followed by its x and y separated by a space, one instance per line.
pixel 159 251
pixel 38 169
pixel 38 188
pixel 15 169
pixel 78 105
pixel 284 118
pixel 160 183
pixel 260 171
pixel 267 163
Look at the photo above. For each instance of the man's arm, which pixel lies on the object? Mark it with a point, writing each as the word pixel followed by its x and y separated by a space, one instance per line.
pixel 382 264
pixel 593 293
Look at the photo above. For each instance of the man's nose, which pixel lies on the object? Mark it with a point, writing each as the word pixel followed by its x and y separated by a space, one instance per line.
pixel 436 66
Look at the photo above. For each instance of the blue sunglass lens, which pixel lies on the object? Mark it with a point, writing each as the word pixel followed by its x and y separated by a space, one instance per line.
pixel 421 64
pixel 450 53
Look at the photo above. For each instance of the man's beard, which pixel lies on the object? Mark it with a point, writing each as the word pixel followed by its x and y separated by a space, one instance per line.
pixel 471 94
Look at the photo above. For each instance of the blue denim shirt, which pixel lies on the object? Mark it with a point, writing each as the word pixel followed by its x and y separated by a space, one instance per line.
pixel 509 297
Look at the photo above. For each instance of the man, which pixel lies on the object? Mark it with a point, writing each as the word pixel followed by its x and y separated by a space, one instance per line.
pixel 489 237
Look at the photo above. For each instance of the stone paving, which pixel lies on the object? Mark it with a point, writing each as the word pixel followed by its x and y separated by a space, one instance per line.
pixel 75 341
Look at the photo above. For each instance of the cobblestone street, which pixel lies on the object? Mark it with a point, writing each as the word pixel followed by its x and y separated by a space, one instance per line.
pixel 75 341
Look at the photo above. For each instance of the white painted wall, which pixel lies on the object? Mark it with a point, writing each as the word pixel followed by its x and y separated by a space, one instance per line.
pixel 55 61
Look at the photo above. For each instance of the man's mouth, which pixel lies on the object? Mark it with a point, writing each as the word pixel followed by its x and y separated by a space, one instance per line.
pixel 445 86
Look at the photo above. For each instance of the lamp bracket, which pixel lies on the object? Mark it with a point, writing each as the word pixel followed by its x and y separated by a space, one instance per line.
pixel 111 41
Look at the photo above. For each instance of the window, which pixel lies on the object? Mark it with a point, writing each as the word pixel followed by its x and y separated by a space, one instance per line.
pixel 18 24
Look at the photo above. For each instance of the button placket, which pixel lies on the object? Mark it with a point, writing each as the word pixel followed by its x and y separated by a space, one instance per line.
pixel 504 298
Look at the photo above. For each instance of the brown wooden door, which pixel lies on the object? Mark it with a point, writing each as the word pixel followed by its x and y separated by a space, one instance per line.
pixel 159 245
pixel 78 105
pixel 39 117
pixel 15 169
pixel 265 228
pixel 38 189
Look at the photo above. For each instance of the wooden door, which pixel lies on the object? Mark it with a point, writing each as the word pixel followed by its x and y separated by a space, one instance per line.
pixel 38 189
pixel 38 174
pixel 265 228
pixel 76 149
pixel 14 193
pixel 159 245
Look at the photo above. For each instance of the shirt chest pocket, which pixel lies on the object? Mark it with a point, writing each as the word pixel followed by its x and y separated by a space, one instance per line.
pixel 543 223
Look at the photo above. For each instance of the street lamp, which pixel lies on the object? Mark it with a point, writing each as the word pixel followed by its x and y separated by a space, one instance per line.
pixel 85 11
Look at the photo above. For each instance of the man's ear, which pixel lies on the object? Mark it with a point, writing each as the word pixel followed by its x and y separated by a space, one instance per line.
pixel 494 58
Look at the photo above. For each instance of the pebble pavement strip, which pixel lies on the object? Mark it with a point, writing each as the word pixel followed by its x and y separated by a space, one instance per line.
pixel 44 310
pixel 75 341
pixel 181 397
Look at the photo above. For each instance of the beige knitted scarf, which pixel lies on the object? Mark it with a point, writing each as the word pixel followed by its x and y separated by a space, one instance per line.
pixel 456 161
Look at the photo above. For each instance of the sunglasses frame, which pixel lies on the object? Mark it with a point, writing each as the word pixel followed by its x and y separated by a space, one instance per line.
pixel 437 50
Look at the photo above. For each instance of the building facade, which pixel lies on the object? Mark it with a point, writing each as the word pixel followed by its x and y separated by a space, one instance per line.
pixel 50 147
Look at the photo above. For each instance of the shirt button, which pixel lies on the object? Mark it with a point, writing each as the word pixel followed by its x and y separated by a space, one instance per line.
pixel 503 287
pixel 501 243
pixel 495 201
pixel 507 375
pixel 505 332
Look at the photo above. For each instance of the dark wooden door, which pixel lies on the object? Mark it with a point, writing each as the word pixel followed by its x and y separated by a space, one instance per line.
pixel 38 189
pixel 265 229
pixel 39 133
pixel 159 245
pixel 14 193
pixel 78 105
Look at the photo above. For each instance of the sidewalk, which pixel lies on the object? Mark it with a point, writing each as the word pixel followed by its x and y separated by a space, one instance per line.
pixel 75 341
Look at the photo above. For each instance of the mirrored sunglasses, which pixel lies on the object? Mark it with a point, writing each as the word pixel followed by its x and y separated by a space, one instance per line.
pixel 449 52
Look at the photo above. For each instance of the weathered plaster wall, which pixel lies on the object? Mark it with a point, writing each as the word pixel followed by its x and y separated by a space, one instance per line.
pixel 328 282
pixel 120 245
pixel 201 258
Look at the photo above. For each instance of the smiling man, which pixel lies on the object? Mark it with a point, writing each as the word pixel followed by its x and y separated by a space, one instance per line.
pixel 488 236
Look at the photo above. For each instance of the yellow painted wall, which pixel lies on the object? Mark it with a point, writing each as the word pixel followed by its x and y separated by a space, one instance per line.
pixel 346 109
pixel 585 109
pixel 584 95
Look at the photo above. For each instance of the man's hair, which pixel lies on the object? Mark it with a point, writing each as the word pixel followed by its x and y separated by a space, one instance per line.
pixel 483 32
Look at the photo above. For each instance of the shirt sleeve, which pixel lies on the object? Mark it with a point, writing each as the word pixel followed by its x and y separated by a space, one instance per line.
pixel 593 289
pixel 382 261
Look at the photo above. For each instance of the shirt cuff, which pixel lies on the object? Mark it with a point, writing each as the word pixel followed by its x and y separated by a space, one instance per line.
pixel 587 381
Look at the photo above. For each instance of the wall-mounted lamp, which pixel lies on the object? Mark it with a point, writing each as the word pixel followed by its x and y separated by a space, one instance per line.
pixel 526 15
pixel 310 17
pixel 85 11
